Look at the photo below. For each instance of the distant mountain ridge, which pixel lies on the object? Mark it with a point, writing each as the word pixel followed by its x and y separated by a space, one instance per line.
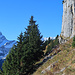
pixel 46 38
pixel 5 46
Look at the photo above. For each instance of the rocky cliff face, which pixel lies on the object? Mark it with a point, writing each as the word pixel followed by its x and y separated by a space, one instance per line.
pixel 68 18
pixel 68 21
pixel 5 46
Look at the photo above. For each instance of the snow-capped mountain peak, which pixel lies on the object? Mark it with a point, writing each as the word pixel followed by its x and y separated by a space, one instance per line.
pixel 5 46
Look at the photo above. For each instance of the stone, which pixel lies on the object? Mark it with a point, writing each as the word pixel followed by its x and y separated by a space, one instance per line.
pixel 68 19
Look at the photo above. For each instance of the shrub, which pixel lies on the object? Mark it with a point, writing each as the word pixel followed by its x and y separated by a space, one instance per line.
pixel 73 43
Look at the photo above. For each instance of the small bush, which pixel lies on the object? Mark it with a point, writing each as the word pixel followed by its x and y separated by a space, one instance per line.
pixel 73 43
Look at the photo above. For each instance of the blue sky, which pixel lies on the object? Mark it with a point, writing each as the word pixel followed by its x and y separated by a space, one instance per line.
pixel 15 16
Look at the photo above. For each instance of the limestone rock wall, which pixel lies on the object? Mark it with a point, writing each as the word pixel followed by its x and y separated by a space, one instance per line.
pixel 67 19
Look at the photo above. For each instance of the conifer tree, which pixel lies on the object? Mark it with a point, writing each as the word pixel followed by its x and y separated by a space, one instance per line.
pixel 33 47
pixel 49 48
pixel 34 39
pixel 46 43
pixel 12 65
pixel 56 41
pixel 49 40
pixel 22 57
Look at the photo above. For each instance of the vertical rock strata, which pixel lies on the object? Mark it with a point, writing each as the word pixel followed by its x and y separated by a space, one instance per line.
pixel 68 19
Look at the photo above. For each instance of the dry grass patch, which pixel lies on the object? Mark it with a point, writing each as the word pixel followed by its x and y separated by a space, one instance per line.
pixel 65 58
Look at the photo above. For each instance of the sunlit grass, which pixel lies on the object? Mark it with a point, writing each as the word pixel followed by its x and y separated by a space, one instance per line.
pixel 65 58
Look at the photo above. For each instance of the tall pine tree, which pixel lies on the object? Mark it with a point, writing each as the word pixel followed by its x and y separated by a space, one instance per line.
pixel 22 57
pixel 33 48
pixel 34 39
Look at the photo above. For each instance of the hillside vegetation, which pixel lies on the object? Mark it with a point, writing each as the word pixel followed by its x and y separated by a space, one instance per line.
pixel 61 63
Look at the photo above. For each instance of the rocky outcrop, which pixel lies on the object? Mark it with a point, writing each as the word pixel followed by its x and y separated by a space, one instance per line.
pixel 68 19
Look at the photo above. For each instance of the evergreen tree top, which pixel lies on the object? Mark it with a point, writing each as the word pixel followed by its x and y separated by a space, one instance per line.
pixel 31 20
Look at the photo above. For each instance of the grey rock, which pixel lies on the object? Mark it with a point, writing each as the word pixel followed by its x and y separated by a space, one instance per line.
pixel 68 19
pixel 62 69
pixel 49 67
